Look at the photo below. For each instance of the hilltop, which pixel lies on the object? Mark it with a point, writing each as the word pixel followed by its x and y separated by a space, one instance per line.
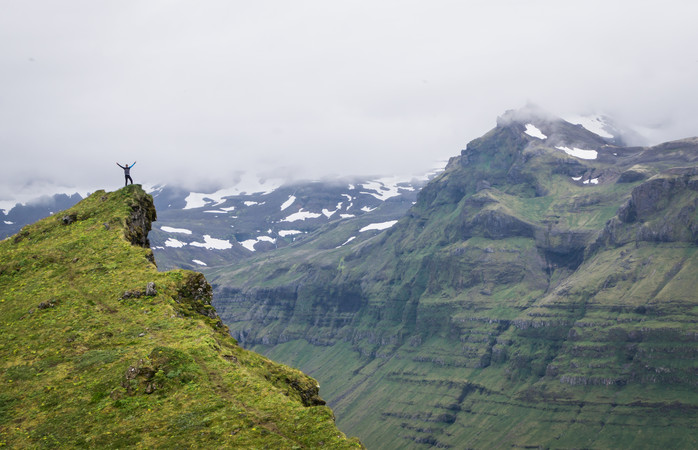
pixel 100 349
pixel 540 293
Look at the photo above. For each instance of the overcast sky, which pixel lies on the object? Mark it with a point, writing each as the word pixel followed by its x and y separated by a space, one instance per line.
pixel 197 90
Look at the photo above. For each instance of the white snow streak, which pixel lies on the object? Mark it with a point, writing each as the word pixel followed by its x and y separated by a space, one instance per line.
pixel 201 263
pixel 382 191
pixel 388 187
pixel 301 215
pixel 213 243
pixel 175 230
pixel 378 226
pixel 595 124
pixel 284 233
pixel 532 131
pixel 250 184
pixel 174 243
pixel 250 243
pixel 579 153
pixel 348 241
pixel 288 202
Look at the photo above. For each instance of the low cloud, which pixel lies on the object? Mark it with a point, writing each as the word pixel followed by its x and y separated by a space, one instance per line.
pixel 198 93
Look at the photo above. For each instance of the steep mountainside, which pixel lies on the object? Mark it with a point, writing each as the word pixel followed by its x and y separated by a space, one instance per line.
pixel 541 292
pixel 101 350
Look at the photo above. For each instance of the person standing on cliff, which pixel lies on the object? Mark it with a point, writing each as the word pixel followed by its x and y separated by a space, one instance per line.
pixel 127 172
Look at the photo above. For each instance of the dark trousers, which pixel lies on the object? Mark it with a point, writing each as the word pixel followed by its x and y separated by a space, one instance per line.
pixel 128 178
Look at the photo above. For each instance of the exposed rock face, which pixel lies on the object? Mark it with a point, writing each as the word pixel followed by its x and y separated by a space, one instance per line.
pixel 150 290
pixel 661 209
pixel 69 218
pixel 140 219
pixel 195 294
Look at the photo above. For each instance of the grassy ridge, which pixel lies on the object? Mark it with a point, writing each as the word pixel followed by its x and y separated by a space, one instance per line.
pixel 91 358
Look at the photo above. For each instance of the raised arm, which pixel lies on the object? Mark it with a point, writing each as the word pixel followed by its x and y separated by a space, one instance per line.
pixel 134 163
pixel 121 165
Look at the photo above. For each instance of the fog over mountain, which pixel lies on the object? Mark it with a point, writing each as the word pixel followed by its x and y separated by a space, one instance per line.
pixel 197 92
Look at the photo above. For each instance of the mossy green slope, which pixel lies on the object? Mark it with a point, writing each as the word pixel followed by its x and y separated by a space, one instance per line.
pixel 93 357
pixel 529 298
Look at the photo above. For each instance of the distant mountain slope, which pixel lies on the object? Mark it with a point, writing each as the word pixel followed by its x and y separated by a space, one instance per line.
pixel 101 350
pixel 20 214
pixel 199 230
pixel 540 293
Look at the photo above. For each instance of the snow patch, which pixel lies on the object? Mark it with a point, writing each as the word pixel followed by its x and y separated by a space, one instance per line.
pixel 213 243
pixel 7 222
pixel 250 243
pixel 284 233
pixel 201 263
pixel 328 213
pixel 249 184
pixel 579 153
pixel 592 181
pixel 288 202
pixel 576 178
pixel 347 216
pixel 382 191
pixel 385 188
pixel 170 242
pixel 367 209
pixel 175 230
pixel 532 131
pixel 595 123
pixel 301 215
pixel 378 226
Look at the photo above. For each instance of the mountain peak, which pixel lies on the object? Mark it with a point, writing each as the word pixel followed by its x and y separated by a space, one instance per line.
pixel 529 113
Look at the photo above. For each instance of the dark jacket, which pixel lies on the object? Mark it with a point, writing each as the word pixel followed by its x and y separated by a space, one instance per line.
pixel 127 169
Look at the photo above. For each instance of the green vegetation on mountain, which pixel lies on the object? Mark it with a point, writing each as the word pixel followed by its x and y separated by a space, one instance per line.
pixel 101 350
pixel 528 299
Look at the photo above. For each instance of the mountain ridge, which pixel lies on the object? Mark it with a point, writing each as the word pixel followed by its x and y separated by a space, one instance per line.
pixel 538 271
